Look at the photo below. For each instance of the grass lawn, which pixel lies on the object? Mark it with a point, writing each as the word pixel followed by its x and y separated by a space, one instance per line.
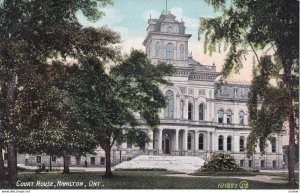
pixel 129 180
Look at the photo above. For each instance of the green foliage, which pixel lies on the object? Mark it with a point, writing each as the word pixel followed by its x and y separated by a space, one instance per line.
pixel 138 137
pixel 220 162
pixel 44 114
pixel 270 30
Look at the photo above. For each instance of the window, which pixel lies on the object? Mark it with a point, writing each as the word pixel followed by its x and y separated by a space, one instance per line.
pixel 53 158
pixel 102 161
pixel 170 104
pixel 229 143
pixel 38 159
pixel 201 112
pixel 170 51
pixel 190 111
pixel 241 118
pixel 262 163
pixel 149 51
pixel 220 116
pixel 5 156
pixel 93 160
pixel 201 146
pixel 220 143
pixel 273 145
pixel 157 49
pixel 78 160
pixel 250 163
pixel 229 117
pixel 274 164
pixel 242 162
pixel 242 144
pixel 189 142
pixel 129 145
pixel 181 52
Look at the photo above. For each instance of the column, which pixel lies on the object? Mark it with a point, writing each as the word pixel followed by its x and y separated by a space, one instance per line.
pixel 160 140
pixel 212 140
pixel 150 145
pixel 176 139
pixel 186 107
pixel 185 134
pixel 196 140
pixel 279 147
pixel 177 114
pixel 196 111
pixel 225 143
pixel 236 143
pixel 207 140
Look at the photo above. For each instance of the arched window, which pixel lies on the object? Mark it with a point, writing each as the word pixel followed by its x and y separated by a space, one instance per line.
pixel 170 51
pixel 229 142
pixel 189 142
pixel 181 108
pixel 201 112
pixel 181 52
pixel 241 118
pixel 201 142
pixel 242 144
pixel 229 117
pixel 273 145
pixel 220 143
pixel 157 49
pixel 190 111
pixel 220 116
pixel 170 104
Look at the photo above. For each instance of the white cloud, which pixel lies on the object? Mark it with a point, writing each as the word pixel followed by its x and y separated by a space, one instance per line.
pixel 190 22
pixel 154 14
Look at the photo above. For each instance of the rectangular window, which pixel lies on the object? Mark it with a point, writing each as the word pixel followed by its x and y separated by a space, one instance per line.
pixel 38 159
pixel 5 156
pixel 262 163
pixel 78 160
pixel 53 158
pixel 274 164
pixel 129 145
pixel 102 161
pixel 93 160
pixel 242 162
pixel 250 163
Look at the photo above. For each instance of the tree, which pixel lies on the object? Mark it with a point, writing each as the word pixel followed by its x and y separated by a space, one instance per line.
pixel 250 25
pixel 111 101
pixel 31 33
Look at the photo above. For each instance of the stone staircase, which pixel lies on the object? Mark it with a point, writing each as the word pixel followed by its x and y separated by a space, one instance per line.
pixel 186 164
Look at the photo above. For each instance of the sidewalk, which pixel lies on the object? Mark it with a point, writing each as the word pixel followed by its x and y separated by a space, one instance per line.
pixel 88 169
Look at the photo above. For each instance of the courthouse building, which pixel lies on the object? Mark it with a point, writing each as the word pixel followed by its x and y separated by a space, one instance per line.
pixel 200 118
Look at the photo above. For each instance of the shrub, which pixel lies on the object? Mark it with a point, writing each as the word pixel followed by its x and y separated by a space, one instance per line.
pixel 220 162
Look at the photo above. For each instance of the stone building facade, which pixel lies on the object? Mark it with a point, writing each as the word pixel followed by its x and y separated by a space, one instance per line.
pixel 201 118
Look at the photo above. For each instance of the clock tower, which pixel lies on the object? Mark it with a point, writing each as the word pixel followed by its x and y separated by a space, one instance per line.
pixel 166 40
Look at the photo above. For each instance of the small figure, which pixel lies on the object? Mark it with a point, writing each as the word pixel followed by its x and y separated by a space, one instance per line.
pixel 43 167
pixel 85 163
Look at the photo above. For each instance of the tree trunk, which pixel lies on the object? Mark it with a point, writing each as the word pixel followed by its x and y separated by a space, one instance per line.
pixel 12 163
pixel 108 172
pixel 66 164
pixel 12 150
pixel 2 168
pixel 291 118
pixel 107 148
pixel 50 163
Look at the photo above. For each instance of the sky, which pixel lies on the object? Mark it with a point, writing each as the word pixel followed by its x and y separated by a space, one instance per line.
pixel 129 18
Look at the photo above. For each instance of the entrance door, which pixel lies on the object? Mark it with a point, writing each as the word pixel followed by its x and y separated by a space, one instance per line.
pixel 167 146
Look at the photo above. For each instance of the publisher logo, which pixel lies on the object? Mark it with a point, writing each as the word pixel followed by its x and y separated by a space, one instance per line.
pixel 244 185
